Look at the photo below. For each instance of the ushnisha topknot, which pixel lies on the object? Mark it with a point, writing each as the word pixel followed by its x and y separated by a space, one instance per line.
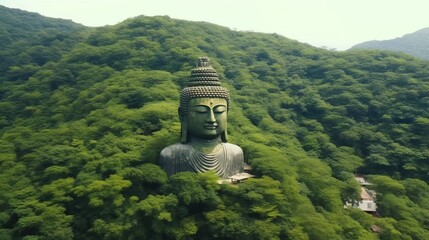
pixel 203 83
pixel 204 74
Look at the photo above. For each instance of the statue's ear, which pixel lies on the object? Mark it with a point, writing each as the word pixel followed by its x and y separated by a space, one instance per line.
pixel 224 136
pixel 184 132
pixel 179 111
pixel 184 127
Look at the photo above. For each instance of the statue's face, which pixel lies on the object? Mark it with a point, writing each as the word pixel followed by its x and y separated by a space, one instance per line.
pixel 207 117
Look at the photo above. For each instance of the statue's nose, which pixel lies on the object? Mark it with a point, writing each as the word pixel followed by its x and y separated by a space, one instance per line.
pixel 211 118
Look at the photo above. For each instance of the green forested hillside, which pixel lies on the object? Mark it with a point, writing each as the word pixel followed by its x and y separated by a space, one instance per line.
pixel 42 39
pixel 81 131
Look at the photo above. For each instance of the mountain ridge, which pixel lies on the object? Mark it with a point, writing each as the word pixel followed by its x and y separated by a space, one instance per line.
pixel 415 44
pixel 16 18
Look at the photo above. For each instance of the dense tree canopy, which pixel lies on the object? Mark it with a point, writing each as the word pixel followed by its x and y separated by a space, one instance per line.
pixel 86 111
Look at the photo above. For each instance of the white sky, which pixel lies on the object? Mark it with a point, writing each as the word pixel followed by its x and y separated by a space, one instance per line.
pixel 337 24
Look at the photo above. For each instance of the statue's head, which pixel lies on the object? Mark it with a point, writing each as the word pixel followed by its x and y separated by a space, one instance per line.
pixel 204 104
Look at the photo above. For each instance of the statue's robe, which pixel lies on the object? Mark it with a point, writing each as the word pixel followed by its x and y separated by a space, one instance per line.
pixel 183 157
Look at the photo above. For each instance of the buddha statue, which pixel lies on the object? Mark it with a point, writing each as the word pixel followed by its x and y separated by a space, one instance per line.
pixel 203 111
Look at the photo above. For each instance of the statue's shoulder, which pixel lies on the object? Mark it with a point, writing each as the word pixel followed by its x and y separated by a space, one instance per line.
pixel 174 149
pixel 172 158
pixel 234 149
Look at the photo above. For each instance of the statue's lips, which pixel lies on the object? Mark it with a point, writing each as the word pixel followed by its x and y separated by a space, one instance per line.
pixel 210 127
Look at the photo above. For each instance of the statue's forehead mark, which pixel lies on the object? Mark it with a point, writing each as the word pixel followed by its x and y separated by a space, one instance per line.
pixel 210 102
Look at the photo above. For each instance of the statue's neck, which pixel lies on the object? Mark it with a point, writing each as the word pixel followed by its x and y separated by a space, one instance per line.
pixel 206 146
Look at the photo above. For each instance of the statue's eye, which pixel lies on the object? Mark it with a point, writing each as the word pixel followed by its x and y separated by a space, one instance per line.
pixel 219 109
pixel 200 109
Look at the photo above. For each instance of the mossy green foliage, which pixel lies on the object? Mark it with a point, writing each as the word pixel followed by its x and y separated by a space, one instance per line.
pixel 85 115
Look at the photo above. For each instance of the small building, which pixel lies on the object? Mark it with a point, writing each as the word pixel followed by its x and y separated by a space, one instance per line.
pixel 362 181
pixel 376 228
pixel 247 168
pixel 238 178
pixel 366 202
pixel 235 179
pixel 367 197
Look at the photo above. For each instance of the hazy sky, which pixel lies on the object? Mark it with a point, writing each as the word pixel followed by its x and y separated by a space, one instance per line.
pixel 337 24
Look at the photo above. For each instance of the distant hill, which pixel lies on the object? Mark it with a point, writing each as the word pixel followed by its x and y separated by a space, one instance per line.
pixel 21 29
pixel 415 44
pixel 16 24
pixel 84 113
